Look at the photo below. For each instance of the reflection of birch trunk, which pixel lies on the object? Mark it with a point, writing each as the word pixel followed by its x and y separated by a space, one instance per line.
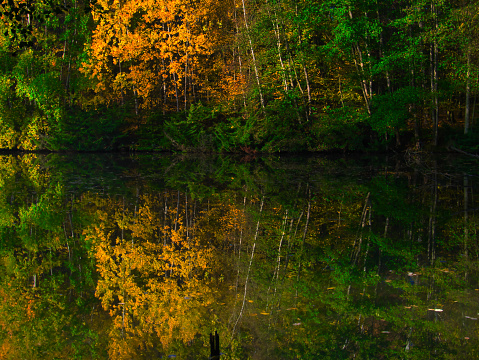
pixel 240 242
pixel 280 244
pixel 239 258
pixel 68 246
pixel 431 249
pixel 249 269
pixel 290 237
pixel 304 239
pixel 386 227
pixel 466 214
pixel 72 234
pixel 277 306
pixel 186 213
pixel 274 280
pixel 123 314
pixel 369 238
pixel 164 218
pixel 359 239
pixel 408 340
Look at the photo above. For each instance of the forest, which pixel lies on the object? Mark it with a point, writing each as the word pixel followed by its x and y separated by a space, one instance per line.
pixel 238 75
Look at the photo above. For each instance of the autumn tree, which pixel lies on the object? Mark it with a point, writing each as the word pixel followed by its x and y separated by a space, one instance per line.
pixel 154 54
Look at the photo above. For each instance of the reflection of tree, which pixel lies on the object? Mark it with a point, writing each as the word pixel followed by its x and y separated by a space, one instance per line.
pixel 154 280
pixel 174 265
pixel 41 268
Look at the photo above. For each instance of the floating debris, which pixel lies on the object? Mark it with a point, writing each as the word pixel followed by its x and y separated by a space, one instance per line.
pixel 436 310
pixel 264 313
pixel 385 332
pixel 470 317
pixel 296 324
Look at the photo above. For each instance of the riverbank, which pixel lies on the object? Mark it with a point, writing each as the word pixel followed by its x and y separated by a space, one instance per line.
pixel 204 129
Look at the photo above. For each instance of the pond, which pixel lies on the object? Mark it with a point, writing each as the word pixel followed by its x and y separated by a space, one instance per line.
pixel 141 256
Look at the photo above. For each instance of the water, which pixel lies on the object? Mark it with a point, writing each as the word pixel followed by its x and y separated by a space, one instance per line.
pixel 143 256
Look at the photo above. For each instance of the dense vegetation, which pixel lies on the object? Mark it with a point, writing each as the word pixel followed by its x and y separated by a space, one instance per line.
pixel 237 75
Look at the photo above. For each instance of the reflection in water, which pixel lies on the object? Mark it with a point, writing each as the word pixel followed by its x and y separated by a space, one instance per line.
pixel 303 258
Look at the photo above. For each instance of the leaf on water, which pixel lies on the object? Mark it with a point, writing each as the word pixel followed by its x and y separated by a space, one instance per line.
pixel 385 332
pixel 296 324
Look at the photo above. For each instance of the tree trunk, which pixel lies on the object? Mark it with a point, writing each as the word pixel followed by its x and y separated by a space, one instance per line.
pixel 255 67
pixel 359 64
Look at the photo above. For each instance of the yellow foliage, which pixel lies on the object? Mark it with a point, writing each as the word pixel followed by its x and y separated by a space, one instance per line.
pixel 130 53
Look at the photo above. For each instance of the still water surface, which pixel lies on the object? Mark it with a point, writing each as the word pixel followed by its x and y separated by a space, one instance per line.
pixel 143 256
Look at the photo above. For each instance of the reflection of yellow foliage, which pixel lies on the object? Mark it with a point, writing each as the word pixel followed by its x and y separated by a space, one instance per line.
pixel 222 222
pixel 153 279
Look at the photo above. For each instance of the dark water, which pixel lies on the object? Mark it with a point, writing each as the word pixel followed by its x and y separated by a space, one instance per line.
pixel 143 256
